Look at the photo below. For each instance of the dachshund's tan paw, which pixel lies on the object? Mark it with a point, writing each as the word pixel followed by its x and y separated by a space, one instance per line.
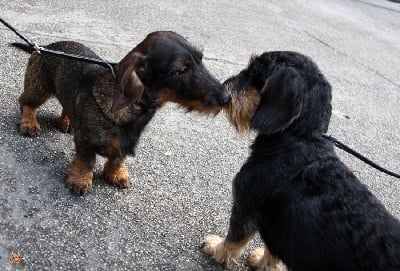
pixel 116 174
pixel 28 124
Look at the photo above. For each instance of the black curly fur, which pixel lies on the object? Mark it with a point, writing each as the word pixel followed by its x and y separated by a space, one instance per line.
pixel 309 208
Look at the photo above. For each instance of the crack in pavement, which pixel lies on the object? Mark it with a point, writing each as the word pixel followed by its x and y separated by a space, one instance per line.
pixel 292 25
pixel 352 58
pixel 378 6
pixel 225 61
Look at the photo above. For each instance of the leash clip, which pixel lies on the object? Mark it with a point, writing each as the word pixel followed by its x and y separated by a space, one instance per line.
pixel 36 47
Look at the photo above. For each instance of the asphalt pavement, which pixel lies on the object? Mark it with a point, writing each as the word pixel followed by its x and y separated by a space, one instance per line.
pixel 181 176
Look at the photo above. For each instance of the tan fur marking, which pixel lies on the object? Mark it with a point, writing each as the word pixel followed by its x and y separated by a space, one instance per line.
pixel 64 122
pixel 116 174
pixel 262 260
pixel 167 95
pixel 241 109
pixel 80 177
pixel 222 251
pixel 28 124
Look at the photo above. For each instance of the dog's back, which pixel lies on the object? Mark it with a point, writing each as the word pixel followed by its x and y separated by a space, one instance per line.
pixel 48 76
pixel 316 215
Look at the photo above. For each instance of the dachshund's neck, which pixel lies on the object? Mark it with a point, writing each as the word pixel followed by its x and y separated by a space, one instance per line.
pixel 104 90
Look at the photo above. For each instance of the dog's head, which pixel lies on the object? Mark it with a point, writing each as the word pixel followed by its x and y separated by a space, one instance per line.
pixel 279 91
pixel 171 69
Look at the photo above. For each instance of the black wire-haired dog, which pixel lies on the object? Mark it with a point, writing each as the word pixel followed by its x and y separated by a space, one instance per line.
pixel 309 208
pixel 107 115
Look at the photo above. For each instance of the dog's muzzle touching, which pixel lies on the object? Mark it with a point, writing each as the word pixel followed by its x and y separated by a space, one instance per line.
pixel 243 105
pixel 223 98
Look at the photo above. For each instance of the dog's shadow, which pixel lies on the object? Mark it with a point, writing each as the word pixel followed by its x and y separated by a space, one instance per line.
pixel 45 157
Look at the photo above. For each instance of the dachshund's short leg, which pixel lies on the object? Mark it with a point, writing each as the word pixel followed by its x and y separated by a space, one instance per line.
pixel 64 122
pixel 29 124
pixel 261 259
pixel 80 176
pixel 29 101
pixel 115 172
pixel 36 91
pixel 241 230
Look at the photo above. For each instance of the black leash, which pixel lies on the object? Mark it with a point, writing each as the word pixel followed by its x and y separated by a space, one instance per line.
pixel 106 64
pixel 342 146
pixel 46 51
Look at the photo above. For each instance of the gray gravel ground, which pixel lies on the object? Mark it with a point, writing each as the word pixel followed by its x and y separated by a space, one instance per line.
pixel 184 165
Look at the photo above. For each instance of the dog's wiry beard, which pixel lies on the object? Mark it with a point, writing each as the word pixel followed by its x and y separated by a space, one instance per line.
pixel 242 109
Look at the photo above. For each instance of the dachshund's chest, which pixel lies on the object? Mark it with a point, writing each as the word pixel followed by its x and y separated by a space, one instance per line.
pixel 117 142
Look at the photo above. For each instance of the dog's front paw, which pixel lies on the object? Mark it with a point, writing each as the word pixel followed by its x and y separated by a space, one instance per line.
pixel 116 174
pixel 261 259
pixel 32 131
pixel 79 183
pixel 29 127
pixel 213 245
pixel 119 182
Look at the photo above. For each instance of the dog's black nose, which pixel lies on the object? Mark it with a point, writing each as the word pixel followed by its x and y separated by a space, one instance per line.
pixel 224 99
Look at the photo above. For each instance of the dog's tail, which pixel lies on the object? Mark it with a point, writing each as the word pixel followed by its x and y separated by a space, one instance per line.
pixel 22 46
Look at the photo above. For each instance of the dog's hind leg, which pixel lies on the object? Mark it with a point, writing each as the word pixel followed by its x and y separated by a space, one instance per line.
pixel 241 230
pixel 64 122
pixel 36 92
pixel 29 103
pixel 262 259
pixel 115 173
pixel 28 124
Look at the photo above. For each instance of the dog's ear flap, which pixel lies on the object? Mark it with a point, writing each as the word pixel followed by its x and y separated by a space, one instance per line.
pixel 131 87
pixel 281 101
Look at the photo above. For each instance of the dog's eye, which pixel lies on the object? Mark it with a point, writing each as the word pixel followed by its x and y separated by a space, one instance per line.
pixel 180 71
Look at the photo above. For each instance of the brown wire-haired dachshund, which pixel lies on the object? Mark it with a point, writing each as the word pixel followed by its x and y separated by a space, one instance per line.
pixel 309 208
pixel 107 115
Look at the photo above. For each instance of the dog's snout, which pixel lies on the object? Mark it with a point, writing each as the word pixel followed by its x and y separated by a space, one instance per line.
pixel 225 98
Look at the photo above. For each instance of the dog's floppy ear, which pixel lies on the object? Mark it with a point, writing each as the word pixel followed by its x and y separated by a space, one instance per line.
pixel 131 87
pixel 281 101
